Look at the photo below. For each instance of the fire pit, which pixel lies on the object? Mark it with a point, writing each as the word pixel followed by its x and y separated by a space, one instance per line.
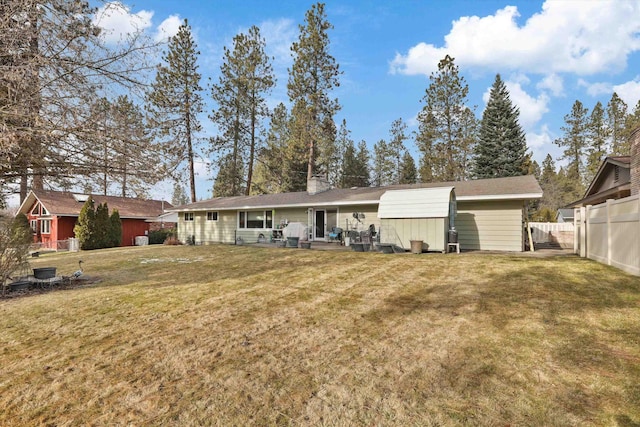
pixel 44 273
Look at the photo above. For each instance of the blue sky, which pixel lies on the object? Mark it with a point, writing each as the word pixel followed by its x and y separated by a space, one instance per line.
pixel 549 53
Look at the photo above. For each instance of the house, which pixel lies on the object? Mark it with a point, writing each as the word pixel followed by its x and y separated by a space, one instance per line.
pixel 564 216
pixel 53 214
pixel 612 181
pixel 490 213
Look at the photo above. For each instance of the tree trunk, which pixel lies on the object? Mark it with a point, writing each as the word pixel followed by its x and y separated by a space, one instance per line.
pixel 252 150
pixel 192 175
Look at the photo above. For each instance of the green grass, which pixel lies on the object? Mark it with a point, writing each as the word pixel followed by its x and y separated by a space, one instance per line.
pixel 236 335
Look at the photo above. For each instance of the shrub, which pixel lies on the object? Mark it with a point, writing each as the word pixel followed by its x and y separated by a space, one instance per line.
pixel 84 229
pixel 158 237
pixel 115 235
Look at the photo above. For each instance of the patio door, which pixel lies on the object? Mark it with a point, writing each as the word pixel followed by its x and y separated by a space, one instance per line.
pixel 319 224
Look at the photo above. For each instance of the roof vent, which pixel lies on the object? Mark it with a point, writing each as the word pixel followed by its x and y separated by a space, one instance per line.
pixel 81 197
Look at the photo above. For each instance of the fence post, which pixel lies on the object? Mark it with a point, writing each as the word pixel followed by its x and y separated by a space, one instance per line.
pixel 584 229
pixel 609 238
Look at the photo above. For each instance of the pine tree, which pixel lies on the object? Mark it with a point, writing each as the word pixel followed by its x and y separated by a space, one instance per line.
pixel 616 115
pixel 596 148
pixel 246 76
pixel 85 227
pixel 312 77
pixel 574 143
pixel 551 188
pixel 175 101
pixel 444 135
pixel 356 166
pixel 408 172
pixel 271 164
pixel 384 166
pixel 361 170
pixel 338 164
pixel 632 121
pixel 115 229
pixel 179 196
pixel 502 149
pixel 397 149
pixel 225 184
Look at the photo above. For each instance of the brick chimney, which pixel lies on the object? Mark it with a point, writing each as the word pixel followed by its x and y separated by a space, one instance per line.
pixel 317 184
pixel 635 161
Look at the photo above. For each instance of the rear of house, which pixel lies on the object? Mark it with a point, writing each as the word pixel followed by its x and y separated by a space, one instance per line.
pixel 490 213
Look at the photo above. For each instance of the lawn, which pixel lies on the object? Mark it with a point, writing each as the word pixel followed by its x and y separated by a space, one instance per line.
pixel 237 335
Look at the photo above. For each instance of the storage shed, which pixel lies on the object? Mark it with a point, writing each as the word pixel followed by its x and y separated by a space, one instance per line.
pixel 417 214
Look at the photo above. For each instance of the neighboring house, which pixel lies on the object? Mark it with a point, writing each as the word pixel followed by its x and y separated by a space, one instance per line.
pixel 612 181
pixel 490 212
pixel 53 214
pixel 565 216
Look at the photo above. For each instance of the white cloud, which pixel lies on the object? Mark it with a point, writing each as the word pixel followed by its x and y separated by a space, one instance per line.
pixel 596 89
pixel 553 83
pixel 168 28
pixel 279 35
pixel 565 36
pixel 117 21
pixel 536 141
pixel 629 92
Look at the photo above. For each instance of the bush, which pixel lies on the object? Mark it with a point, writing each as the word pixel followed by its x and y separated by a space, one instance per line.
pixel 158 237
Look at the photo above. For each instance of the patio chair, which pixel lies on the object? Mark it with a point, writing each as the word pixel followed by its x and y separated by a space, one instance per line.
pixel 335 235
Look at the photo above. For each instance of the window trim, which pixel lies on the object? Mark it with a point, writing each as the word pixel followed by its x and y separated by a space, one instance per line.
pixel 268 217
pixel 188 217
pixel 46 222
pixel 210 215
pixel 34 226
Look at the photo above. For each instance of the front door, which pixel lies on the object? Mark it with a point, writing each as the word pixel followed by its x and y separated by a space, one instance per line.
pixel 319 224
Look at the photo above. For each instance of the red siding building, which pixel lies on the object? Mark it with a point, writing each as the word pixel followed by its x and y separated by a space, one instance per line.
pixel 53 214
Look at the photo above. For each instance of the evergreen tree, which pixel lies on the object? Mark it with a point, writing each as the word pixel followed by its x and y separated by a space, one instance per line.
pixel 179 196
pixel 408 172
pixel 356 166
pixel 384 166
pixel 596 148
pixel 574 143
pixel 246 77
pixel 271 165
pixel 632 122
pixel 225 185
pixel 21 230
pixel 616 117
pixel 312 77
pixel 551 187
pixel 85 227
pixel 102 234
pixel 175 101
pixel 502 148
pixel 361 170
pixel 396 148
pixel 444 132
pixel 338 166
pixel 115 229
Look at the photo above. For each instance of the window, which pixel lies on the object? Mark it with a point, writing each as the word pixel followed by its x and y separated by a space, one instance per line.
pixel 36 209
pixel 34 225
pixel 255 219
pixel 44 210
pixel 188 216
pixel 212 216
pixel 45 226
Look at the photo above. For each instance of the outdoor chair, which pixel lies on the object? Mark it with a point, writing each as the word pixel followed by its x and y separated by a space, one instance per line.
pixel 335 235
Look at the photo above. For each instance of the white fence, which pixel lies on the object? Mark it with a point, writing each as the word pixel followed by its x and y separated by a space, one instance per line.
pixel 610 233
pixel 545 232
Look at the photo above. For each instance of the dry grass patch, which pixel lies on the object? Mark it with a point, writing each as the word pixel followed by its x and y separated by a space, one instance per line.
pixel 226 335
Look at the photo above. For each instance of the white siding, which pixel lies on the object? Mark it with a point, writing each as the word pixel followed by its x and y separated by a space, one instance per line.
pixel 415 203
pixel 490 225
